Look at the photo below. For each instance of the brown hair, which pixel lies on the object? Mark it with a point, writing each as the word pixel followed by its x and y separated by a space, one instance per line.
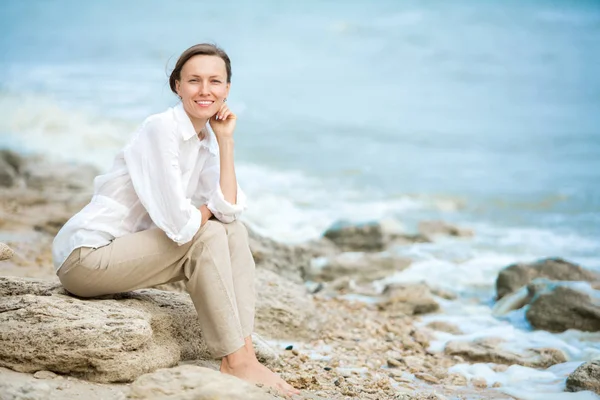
pixel 204 49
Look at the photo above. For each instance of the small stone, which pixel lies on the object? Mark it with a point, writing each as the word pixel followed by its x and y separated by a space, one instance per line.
pixel 426 377
pixel 44 375
pixel 479 382
pixel 290 347
pixel 327 368
pixel 391 362
pixel 497 385
pixel 295 352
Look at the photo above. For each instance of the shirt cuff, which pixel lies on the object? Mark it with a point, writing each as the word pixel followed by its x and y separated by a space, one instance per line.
pixel 223 210
pixel 189 230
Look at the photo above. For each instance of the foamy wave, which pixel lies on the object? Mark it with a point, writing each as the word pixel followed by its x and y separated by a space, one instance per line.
pixel 40 125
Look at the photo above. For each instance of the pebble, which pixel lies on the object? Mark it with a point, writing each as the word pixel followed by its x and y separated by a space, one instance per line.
pixel 44 375
pixel 426 377
pixel 479 382
pixel 5 252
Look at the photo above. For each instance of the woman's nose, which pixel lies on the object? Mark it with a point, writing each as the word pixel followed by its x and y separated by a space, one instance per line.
pixel 204 88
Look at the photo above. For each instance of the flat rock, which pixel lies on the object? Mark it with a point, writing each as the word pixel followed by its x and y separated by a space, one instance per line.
pixel 361 267
pixel 189 382
pixel 357 237
pixel 110 339
pixel 585 377
pixel 558 306
pixel 489 350
pixel 515 276
pixel 409 299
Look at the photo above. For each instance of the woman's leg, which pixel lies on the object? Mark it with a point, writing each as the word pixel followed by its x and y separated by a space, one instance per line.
pixel 149 258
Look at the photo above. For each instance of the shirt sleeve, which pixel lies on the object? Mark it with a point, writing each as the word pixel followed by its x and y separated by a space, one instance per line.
pixel 152 158
pixel 223 210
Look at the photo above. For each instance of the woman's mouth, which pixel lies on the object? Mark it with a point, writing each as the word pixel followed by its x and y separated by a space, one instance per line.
pixel 204 103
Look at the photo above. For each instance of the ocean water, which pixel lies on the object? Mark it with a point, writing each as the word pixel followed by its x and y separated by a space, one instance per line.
pixel 484 114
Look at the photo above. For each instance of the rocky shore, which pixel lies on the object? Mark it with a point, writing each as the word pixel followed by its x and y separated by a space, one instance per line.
pixel 320 322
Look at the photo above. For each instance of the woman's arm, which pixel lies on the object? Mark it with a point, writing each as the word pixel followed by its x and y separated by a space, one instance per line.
pixel 152 159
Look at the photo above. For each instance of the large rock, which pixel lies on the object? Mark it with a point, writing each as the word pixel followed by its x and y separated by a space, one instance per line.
pixel 357 237
pixel 409 299
pixel 284 309
pixel 490 350
pixel 189 382
pixel 10 168
pixel 585 377
pixel 111 339
pixel 558 306
pixel 361 267
pixel 515 276
pixel 291 262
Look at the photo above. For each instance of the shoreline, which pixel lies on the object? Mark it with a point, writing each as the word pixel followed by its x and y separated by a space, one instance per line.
pixel 371 350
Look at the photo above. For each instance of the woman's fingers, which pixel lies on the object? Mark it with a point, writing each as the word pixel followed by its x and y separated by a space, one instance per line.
pixel 222 111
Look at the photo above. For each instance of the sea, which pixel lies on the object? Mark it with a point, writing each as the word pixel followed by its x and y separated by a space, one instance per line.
pixel 484 114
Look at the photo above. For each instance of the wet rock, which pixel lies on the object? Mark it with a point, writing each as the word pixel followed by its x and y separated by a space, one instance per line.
pixel 28 391
pixel 444 326
pixel 361 267
pixel 433 228
pixel 490 350
pixel 110 339
pixel 558 306
pixel 515 276
pixel 409 299
pixel 5 252
pixel 192 382
pixel 357 237
pixel 585 377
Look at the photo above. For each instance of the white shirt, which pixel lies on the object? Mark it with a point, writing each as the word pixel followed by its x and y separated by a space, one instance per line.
pixel 159 179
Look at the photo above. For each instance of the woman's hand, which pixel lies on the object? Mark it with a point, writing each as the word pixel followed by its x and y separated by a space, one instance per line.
pixel 223 123
pixel 206 213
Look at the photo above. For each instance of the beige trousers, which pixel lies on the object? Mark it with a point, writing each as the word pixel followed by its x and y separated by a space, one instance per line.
pixel 216 264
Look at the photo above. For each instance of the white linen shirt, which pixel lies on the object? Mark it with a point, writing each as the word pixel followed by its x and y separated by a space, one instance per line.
pixel 159 179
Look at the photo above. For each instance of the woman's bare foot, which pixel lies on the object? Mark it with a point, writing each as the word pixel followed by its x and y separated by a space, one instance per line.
pixel 244 365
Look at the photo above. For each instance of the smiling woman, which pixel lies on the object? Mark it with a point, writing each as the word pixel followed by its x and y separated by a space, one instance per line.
pixel 168 210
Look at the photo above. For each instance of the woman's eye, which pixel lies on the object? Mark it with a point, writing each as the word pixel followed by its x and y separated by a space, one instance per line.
pixel 216 81
pixel 193 80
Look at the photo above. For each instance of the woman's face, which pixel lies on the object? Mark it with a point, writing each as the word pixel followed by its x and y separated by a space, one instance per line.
pixel 203 86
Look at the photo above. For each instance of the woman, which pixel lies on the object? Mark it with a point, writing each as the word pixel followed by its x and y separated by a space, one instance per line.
pixel 168 210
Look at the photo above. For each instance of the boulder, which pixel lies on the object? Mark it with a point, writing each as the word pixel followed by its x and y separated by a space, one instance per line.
pixel 489 350
pixel 585 377
pixel 409 299
pixel 5 252
pixel 361 267
pixel 189 382
pixel 357 237
pixel 515 276
pixel 434 228
pixel 110 339
pixel 558 306
pixel 284 309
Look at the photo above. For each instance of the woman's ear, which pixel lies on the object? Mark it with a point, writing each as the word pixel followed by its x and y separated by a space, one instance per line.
pixel 177 88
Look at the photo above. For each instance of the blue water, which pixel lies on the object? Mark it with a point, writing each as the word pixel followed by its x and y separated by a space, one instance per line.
pixel 362 110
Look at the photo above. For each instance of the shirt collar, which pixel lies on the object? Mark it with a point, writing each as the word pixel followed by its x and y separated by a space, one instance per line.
pixel 188 131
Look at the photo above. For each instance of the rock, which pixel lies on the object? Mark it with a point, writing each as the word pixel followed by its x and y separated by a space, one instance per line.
pixel 512 301
pixel 433 228
pixel 11 164
pixel 444 326
pixel 5 252
pixel 284 309
pixel 490 350
pixel 111 339
pixel 45 375
pixel 585 377
pixel 479 382
pixel 426 377
pixel 515 276
pixel 409 299
pixel 288 261
pixel 558 306
pixel 361 267
pixel 357 237
pixel 189 382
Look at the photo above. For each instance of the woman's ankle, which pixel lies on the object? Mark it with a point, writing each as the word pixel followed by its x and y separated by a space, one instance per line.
pixel 237 359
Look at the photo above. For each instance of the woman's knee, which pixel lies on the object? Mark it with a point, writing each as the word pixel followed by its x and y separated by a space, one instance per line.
pixel 236 230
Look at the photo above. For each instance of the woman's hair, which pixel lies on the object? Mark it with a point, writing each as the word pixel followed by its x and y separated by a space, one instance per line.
pixel 204 49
